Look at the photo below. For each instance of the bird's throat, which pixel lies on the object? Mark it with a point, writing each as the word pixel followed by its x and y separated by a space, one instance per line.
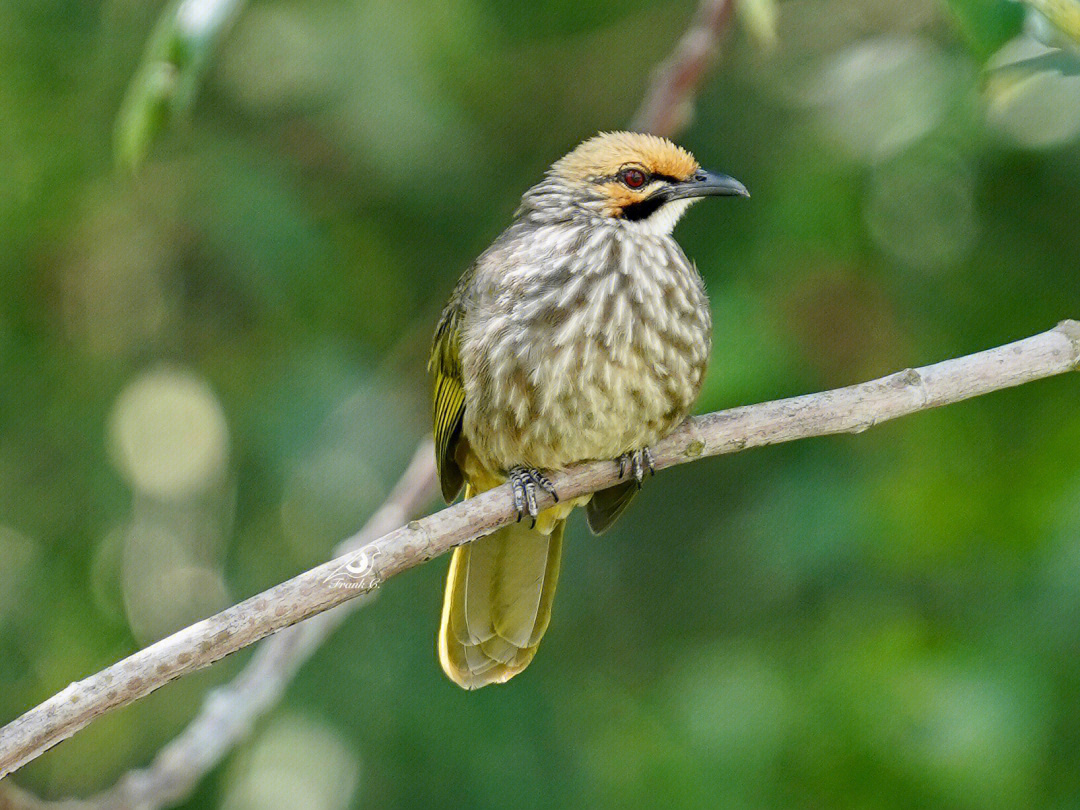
pixel 656 216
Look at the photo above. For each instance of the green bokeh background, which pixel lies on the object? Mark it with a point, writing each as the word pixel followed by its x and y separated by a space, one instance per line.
pixel 889 620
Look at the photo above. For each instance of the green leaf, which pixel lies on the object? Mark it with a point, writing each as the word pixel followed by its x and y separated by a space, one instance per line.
pixel 166 83
pixel 987 24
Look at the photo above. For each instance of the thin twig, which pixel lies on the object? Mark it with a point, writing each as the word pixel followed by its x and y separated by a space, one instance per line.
pixel 844 410
pixel 669 102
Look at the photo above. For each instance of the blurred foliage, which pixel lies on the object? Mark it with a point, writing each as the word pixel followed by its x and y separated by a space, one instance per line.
pixel 214 368
pixel 166 83
pixel 1062 15
pixel 987 24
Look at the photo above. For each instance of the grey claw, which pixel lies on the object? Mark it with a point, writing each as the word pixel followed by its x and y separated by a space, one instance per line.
pixel 530 500
pixel 545 484
pixel 519 497
pixel 525 481
pixel 637 462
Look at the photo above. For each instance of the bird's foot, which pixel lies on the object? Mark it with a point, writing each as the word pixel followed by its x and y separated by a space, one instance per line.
pixel 525 481
pixel 637 463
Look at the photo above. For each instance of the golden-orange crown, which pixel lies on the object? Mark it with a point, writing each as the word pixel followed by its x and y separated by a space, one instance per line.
pixel 605 154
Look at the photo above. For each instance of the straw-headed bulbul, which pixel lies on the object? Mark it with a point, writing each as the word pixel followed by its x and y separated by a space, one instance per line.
pixel 582 333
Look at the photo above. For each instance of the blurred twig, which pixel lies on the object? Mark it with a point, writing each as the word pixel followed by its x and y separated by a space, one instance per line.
pixel 669 102
pixel 844 410
pixel 166 83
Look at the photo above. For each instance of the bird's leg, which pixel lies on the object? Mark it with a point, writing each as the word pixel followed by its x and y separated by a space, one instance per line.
pixel 637 462
pixel 525 480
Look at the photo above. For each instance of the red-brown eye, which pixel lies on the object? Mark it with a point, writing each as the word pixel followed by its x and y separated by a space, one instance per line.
pixel 633 178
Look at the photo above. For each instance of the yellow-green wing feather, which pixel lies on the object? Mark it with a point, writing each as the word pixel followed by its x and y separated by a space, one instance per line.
pixel 449 395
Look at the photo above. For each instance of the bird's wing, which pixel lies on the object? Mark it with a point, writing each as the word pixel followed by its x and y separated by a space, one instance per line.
pixel 449 399
pixel 605 506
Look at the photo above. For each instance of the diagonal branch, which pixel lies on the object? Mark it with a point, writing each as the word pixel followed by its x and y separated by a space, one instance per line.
pixel 844 410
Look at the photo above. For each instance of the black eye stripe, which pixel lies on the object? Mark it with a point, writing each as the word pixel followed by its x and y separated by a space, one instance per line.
pixel 635 212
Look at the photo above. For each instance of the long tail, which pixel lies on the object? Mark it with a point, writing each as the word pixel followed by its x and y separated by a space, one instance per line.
pixel 498 603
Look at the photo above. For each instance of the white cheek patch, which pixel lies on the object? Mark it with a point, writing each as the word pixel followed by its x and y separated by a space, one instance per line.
pixel 661 222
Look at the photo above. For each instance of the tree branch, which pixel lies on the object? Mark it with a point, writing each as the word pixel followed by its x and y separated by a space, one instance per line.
pixel 844 410
pixel 669 102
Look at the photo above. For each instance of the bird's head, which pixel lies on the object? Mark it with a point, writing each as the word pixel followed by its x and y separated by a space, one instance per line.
pixel 634 178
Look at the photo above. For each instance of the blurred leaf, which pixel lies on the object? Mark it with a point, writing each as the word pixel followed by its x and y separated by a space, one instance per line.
pixel 1032 94
pixel 987 24
pixel 760 18
pixel 167 81
pixel 1062 15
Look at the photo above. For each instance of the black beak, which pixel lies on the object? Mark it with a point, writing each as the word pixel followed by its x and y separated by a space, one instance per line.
pixel 707 184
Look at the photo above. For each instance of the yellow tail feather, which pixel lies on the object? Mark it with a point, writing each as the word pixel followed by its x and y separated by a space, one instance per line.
pixel 498 603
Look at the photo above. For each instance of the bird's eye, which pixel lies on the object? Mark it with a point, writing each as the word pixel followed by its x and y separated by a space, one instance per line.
pixel 632 178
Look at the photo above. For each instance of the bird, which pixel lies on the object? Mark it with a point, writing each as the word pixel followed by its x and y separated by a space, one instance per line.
pixel 582 333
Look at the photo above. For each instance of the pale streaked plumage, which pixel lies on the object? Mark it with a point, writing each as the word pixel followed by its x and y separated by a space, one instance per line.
pixel 582 333
pixel 583 341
